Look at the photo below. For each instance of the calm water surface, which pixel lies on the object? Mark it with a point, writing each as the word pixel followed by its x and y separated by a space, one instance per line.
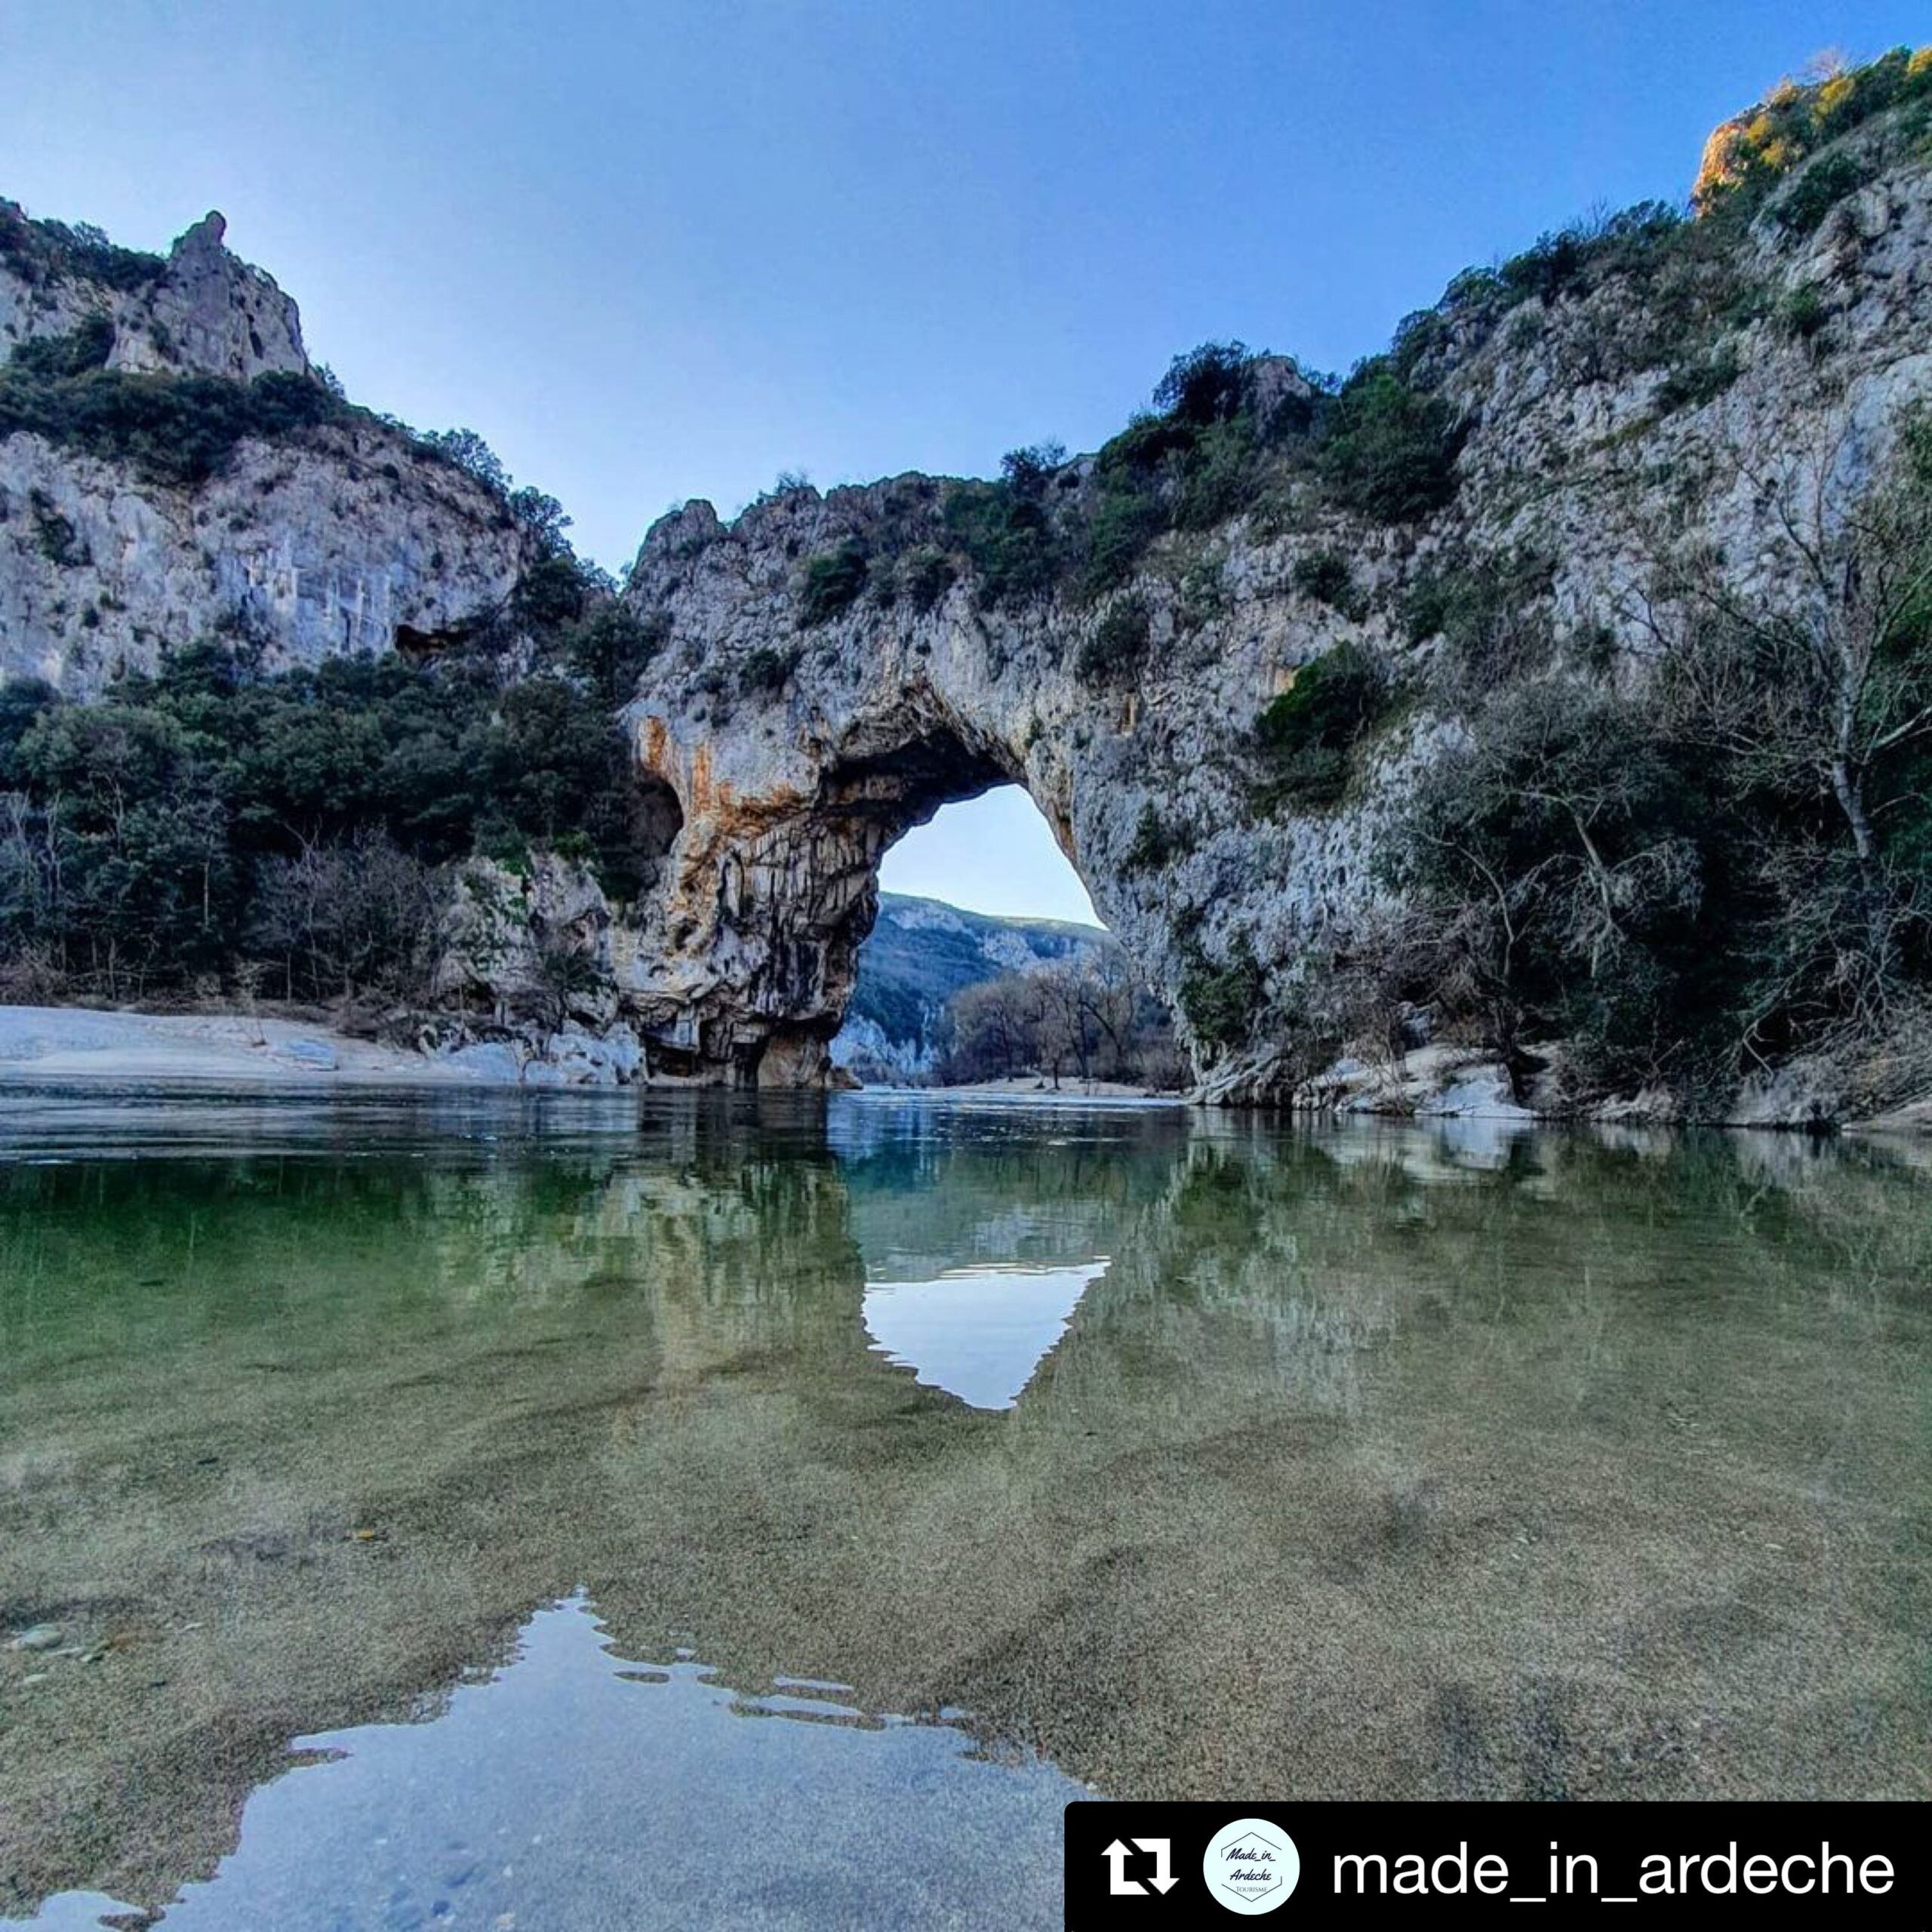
pixel 544 1510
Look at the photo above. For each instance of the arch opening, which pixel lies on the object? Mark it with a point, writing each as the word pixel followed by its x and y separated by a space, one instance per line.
pixel 987 964
pixel 993 853
pixel 773 892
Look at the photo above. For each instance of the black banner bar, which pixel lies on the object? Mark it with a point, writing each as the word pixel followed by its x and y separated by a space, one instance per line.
pixel 1524 1866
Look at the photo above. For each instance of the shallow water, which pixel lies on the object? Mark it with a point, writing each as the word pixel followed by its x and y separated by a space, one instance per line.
pixel 498 1509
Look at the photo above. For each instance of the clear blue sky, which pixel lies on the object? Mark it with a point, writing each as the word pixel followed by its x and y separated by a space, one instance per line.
pixel 655 251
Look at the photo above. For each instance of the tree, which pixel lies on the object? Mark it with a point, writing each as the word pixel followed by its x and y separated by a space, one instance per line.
pixel 1551 872
pixel 992 1029
pixel 1388 450
pixel 469 452
pixel 564 970
pixel 1083 1011
pixel 352 917
pixel 1029 471
pixel 1208 385
pixel 1812 690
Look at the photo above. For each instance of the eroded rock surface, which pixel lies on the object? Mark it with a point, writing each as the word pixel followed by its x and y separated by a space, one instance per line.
pixel 799 752
pixel 199 308
pixel 348 538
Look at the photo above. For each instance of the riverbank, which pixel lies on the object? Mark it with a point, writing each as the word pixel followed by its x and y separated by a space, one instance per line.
pixel 66 1042
pixel 44 1042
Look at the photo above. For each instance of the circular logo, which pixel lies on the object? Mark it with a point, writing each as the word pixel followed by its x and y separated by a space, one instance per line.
pixel 1251 1866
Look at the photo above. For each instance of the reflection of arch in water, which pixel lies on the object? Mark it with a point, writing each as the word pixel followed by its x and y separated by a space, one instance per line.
pixel 977 1333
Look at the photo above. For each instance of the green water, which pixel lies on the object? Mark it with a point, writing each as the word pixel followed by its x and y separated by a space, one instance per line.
pixel 1053 1449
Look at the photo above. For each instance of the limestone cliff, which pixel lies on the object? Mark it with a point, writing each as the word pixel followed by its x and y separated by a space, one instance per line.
pixel 197 308
pixel 342 534
pixel 1224 655
pixel 1630 416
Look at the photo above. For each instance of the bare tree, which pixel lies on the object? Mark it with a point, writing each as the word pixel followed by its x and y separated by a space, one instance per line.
pixel 1813 674
pixel 993 1029
pixel 1084 1012
pixel 353 917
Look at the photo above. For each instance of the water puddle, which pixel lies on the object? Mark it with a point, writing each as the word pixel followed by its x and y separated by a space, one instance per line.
pixel 573 1788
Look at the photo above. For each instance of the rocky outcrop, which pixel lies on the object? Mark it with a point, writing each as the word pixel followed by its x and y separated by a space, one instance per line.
pixel 798 750
pixel 199 308
pixel 347 536
pixel 351 540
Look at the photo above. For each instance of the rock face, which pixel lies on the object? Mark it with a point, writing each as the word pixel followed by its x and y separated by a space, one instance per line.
pixel 349 541
pixel 200 309
pixel 347 537
pixel 798 752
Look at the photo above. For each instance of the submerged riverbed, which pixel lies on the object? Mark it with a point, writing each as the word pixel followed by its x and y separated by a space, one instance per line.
pixel 507 1509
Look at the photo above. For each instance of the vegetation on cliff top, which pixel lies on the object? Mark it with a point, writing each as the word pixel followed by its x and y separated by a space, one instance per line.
pixel 44 253
pixel 1231 433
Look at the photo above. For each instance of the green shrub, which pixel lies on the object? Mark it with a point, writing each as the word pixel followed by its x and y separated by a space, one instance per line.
pixel 1691 385
pixel 1140 449
pixel 176 429
pixel 1555 850
pixel 1819 189
pixel 1429 603
pixel 1222 1002
pixel 925 575
pixel 1204 592
pixel 831 583
pixel 764 672
pixel 1208 385
pixel 1117 645
pixel 1802 313
pixel 1122 525
pixel 1029 472
pixel 44 252
pixel 1387 450
pixel 1324 576
pixel 1157 842
pixel 551 591
pixel 607 650
pixel 1007 538
pixel 1303 738
pixel 465 450
pixel 58 540
pixel 1216 478
pixel 1546 271
pixel 85 347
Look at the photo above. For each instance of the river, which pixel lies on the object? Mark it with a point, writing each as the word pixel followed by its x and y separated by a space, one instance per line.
pixel 518 1510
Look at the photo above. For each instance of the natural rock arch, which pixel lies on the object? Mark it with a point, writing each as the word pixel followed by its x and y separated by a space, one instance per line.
pixel 771 884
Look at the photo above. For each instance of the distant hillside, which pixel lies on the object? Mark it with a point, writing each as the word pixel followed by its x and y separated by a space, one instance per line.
pixel 922 951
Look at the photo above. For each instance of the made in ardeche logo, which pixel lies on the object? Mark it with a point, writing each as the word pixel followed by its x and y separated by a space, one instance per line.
pixel 1251 1866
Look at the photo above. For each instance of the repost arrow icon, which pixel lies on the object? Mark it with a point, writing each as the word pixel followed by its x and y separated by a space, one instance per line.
pixel 1119 1885
pixel 1163 1879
